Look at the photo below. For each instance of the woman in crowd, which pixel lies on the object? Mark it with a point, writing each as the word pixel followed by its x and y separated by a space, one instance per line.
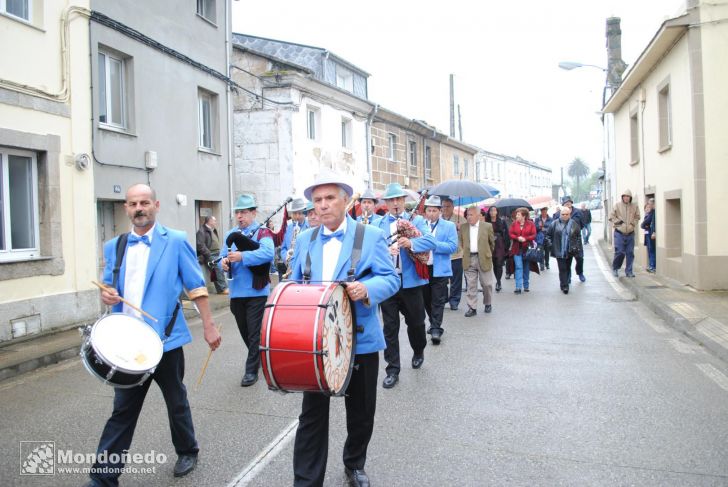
pixel 500 229
pixel 648 225
pixel 522 233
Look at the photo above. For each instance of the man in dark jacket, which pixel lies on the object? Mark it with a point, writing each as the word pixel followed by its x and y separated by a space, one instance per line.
pixel 208 249
pixel 565 234
pixel 578 217
pixel 586 218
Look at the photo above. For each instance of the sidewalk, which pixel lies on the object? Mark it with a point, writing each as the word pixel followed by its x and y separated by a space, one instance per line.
pixel 701 315
pixel 21 357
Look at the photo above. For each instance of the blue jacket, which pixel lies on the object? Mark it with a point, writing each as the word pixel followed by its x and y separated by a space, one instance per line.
pixel 241 286
pixel 446 243
pixel 381 280
pixel 288 237
pixel 420 244
pixel 172 266
pixel 372 219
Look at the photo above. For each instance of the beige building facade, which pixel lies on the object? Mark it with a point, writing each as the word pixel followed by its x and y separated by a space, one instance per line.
pixel 47 225
pixel 669 143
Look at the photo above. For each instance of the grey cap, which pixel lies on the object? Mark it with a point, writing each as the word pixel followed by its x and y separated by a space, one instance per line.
pixel 299 204
pixel 433 200
pixel 327 176
pixel 368 194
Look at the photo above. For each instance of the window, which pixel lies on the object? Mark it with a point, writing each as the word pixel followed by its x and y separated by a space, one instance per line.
pixel 346 133
pixel 19 203
pixel 456 165
pixel 466 163
pixel 634 130
pixel 428 162
pixel 206 9
pixel 392 143
pixel 16 8
pixel 312 122
pixel 207 119
pixel 665 116
pixel 413 153
pixel 112 90
pixel 344 78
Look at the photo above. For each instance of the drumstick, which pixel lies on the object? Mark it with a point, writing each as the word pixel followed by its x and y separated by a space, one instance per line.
pixel 207 361
pixel 108 288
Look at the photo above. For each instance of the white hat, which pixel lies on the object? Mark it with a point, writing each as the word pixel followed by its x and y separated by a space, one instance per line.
pixel 433 200
pixel 299 204
pixel 327 176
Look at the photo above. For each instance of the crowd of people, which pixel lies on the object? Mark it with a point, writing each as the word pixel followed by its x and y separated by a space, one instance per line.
pixel 409 263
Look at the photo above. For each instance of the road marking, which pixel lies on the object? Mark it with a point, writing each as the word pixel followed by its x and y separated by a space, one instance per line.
pixel 715 375
pixel 680 346
pixel 607 272
pixel 265 456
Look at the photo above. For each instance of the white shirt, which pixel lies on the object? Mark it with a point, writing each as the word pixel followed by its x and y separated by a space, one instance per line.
pixel 331 251
pixel 474 238
pixel 430 259
pixel 137 257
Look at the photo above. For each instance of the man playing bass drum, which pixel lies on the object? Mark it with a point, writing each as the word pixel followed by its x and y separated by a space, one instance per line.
pixel 330 248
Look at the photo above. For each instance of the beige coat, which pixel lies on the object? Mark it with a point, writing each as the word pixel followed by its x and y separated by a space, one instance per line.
pixel 457 220
pixel 486 245
pixel 625 217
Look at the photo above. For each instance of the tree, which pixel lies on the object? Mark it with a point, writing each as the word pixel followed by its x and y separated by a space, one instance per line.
pixel 578 170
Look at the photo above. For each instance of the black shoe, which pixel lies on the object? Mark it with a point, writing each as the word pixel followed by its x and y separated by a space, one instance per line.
pixel 565 289
pixel 453 307
pixel 390 381
pixel 517 291
pixel 629 274
pixel 417 361
pixel 488 308
pixel 185 464
pixel 249 380
pixel 525 290
pixel 508 276
pixel 470 312
pixel 356 478
pixel 498 287
pixel 436 337
pixel 547 267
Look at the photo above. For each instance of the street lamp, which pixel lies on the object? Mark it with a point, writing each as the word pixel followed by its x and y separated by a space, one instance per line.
pixel 568 65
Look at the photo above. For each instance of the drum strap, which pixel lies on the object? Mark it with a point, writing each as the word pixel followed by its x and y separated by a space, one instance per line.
pixel 120 250
pixel 355 253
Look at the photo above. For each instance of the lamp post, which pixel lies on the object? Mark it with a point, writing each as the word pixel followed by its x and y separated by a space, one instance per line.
pixel 568 66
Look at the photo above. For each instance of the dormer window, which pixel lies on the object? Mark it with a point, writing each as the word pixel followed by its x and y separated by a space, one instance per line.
pixel 344 78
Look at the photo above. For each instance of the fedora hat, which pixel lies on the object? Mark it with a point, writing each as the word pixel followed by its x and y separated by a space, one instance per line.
pixel 565 199
pixel 393 190
pixel 433 200
pixel 299 204
pixel 327 176
pixel 368 194
pixel 245 202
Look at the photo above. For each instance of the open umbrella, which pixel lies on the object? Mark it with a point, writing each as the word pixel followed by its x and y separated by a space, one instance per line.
pixel 462 188
pixel 508 205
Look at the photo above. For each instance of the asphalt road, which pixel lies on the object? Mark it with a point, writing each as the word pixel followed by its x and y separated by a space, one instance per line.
pixel 585 389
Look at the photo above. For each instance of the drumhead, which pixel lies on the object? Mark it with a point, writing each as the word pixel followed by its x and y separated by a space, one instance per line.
pixel 337 336
pixel 126 342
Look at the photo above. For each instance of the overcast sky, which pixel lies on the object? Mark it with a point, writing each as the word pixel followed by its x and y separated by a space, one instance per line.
pixel 513 97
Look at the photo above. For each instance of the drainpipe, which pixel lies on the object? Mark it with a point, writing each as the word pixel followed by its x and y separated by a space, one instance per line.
pixel 228 66
pixel 370 119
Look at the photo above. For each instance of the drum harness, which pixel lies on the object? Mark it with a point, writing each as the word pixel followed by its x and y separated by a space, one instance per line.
pixel 355 257
pixel 120 251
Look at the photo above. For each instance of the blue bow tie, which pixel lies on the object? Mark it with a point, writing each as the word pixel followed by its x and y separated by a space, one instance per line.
pixel 338 235
pixel 135 239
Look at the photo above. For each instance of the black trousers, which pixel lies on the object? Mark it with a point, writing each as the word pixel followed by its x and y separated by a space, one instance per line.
pixel 119 429
pixel 435 296
pixel 248 314
pixel 456 282
pixel 310 450
pixel 498 268
pixel 411 304
pixel 579 264
pixel 564 271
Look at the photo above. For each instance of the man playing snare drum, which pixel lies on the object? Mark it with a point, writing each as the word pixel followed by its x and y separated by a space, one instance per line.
pixel 330 248
pixel 157 263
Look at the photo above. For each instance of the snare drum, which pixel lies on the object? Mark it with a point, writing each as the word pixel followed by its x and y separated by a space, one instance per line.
pixel 121 350
pixel 307 338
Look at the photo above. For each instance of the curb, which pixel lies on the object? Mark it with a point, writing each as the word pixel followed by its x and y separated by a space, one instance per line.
pixel 674 319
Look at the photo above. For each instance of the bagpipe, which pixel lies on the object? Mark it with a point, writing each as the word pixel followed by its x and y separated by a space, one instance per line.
pixel 245 242
pixel 405 228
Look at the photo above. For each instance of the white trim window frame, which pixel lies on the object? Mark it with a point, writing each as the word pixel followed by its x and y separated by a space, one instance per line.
pixel 205 113
pixel 19 212
pixel 412 146
pixel 112 113
pixel 346 136
pixel 312 116
pixel 206 10
pixel 25 5
pixel 392 142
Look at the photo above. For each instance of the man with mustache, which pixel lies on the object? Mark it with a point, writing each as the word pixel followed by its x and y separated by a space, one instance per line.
pixel 156 264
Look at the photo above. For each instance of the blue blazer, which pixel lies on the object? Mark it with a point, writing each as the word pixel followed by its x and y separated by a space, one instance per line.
pixel 381 281
pixel 288 237
pixel 172 265
pixel 241 286
pixel 446 241
pixel 372 219
pixel 420 244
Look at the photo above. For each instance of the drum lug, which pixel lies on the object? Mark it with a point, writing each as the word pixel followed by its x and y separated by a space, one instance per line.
pixel 85 330
pixel 111 373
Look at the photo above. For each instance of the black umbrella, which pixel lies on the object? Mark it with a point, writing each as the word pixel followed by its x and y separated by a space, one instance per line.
pixel 461 188
pixel 509 205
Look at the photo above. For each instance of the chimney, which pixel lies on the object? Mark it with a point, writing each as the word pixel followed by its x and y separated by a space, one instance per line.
pixel 452 105
pixel 615 64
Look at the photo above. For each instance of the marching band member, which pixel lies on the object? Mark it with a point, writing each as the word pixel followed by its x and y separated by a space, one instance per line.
pixel 367 202
pixel 330 249
pixel 247 302
pixel 408 299
pixel 297 224
pixel 157 262
pixel 446 241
